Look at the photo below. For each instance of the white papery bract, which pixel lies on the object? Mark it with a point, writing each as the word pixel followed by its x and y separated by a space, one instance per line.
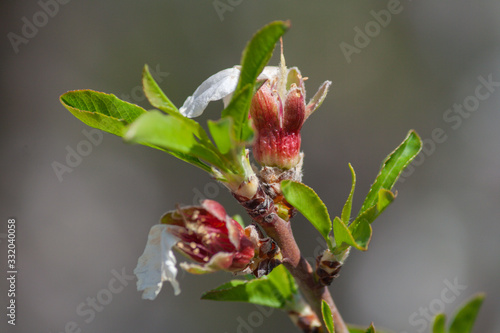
pixel 157 264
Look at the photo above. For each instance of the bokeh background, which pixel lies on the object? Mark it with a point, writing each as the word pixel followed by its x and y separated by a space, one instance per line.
pixel 76 232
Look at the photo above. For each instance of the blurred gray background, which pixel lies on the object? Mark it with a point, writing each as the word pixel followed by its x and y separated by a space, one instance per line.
pixel 76 232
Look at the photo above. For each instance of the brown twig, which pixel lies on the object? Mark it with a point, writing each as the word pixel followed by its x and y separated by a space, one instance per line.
pixel 261 209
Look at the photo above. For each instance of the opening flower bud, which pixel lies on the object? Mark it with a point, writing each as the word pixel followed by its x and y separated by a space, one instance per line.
pixel 278 111
pixel 211 238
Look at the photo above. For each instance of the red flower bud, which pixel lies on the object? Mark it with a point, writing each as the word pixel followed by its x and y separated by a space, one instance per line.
pixel 278 118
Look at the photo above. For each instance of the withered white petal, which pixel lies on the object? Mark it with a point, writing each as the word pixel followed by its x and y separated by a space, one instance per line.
pixel 221 85
pixel 214 88
pixel 269 73
pixel 157 263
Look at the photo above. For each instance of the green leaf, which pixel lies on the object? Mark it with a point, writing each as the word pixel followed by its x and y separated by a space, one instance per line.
pixel 371 329
pixel 255 57
pixel 356 329
pixel 385 198
pixel 154 93
pixel 187 158
pixel 346 211
pixel 360 329
pixel 392 167
pixel 221 133
pixel 362 234
pixel 284 281
pixel 177 134
pixel 466 316
pixel 309 204
pixel 327 316
pixel 103 111
pixel 238 103
pixel 358 237
pixel 438 325
pixel 275 290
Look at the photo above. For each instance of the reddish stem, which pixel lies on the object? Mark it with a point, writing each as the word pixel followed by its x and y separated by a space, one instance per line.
pixel 261 209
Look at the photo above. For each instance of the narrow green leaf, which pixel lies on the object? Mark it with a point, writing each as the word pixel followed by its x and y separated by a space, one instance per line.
pixel 359 329
pixel 154 93
pixel 362 234
pixel 259 50
pixel 327 316
pixel 221 133
pixel 309 204
pixel 103 111
pixel 274 290
pixel 438 325
pixel 358 238
pixel 371 329
pixel 255 57
pixel 187 158
pixel 346 211
pixel 466 316
pixel 177 134
pixel 385 198
pixel 392 167
pixel 368 216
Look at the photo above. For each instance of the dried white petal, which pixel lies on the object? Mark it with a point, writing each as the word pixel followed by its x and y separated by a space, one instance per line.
pixel 269 73
pixel 214 88
pixel 157 263
pixel 221 85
